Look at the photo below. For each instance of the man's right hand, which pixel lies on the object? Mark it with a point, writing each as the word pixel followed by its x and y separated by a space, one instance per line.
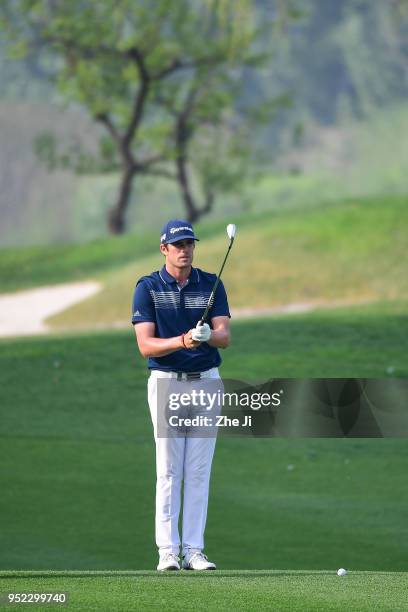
pixel 188 340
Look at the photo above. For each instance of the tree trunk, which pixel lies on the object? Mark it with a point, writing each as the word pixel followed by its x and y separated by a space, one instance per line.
pixel 116 215
pixel 193 213
pixel 182 179
pixel 184 132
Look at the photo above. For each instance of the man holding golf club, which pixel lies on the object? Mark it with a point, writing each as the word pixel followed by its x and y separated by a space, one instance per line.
pixel 170 310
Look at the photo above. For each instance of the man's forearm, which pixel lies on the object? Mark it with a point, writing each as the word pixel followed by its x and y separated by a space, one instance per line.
pixel 160 347
pixel 219 338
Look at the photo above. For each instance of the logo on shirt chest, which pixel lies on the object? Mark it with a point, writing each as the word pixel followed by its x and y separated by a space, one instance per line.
pixel 171 299
pixel 197 299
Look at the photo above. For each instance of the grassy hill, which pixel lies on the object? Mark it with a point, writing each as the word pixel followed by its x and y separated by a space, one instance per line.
pixel 353 251
pixel 24 268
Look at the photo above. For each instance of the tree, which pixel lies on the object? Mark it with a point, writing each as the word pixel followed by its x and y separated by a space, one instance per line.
pixel 154 74
pixel 209 127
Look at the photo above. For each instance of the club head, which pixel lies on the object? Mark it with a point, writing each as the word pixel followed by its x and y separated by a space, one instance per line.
pixel 231 229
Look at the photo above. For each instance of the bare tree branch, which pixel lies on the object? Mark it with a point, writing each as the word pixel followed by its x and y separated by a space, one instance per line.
pixel 182 136
pixel 209 201
pixel 108 123
pixel 177 64
pixel 140 97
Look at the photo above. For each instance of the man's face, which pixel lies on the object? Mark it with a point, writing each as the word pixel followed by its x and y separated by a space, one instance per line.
pixel 179 254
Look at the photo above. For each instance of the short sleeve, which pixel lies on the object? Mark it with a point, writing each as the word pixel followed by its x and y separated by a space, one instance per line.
pixel 142 307
pixel 220 307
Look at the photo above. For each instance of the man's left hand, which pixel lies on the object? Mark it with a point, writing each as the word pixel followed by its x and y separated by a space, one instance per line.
pixel 202 333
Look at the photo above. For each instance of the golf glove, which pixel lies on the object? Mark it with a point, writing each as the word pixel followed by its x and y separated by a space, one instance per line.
pixel 202 333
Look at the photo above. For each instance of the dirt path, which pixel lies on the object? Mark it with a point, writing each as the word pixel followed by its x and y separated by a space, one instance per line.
pixel 294 308
pixel 23 313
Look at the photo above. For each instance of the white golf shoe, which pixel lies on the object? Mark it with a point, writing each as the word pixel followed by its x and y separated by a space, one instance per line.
pixel 197 561
pixel 169 562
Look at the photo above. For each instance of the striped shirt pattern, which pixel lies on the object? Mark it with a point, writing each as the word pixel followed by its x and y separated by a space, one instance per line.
pixel 165 299
pixel 170 299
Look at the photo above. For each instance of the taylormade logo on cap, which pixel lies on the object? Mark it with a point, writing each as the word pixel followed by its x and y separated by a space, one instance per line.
pixel 175 230
pixel 179 229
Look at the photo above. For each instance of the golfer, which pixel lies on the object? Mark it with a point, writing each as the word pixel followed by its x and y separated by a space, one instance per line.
pixel 167 307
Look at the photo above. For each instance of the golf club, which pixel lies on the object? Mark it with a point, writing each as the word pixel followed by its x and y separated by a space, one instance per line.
pixel 231 229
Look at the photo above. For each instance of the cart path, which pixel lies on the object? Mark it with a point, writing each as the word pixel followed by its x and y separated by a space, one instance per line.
pixel 296 307
pixel 24 313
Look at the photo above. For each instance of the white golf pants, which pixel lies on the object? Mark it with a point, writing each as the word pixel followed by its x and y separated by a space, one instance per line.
pixel 180 460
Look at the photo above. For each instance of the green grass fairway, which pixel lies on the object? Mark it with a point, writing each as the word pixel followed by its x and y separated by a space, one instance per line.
pixel 220 590
pixel 77 455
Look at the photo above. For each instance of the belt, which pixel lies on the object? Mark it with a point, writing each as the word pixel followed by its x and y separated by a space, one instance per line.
pixel 188 375
pixel 183 375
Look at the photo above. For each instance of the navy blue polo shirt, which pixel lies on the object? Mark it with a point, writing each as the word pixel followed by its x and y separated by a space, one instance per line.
pixel 174 311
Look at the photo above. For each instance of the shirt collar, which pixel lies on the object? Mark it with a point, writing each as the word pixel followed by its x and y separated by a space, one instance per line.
pixel 168 278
